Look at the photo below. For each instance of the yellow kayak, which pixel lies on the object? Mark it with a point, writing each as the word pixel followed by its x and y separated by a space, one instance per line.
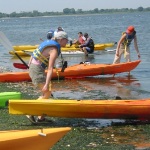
pixel 68 53
pixel 26 50
pixel 104 109
pixel 38 139
pixel 98 46
pixel 24 47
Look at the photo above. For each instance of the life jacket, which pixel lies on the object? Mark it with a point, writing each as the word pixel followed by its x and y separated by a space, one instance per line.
pixel 37 53
pixel 129 38
pixel 91 44
pixel 81 40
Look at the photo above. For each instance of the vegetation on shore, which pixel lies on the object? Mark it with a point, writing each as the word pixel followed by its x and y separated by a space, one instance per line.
pixel 85 134
pixel 72 11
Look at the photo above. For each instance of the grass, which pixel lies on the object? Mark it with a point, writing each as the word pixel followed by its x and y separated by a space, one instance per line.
pixel 85 135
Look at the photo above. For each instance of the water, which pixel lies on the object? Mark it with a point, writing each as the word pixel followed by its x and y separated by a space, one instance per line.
pixel 102 28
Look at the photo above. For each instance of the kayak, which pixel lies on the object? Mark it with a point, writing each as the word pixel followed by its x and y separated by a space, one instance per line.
pixel 75 71
pixel 5 96
pixel 98 46
pixel 64 53
pixel 38 139
pixel 24 50
pixel 103 109
pixel 24 47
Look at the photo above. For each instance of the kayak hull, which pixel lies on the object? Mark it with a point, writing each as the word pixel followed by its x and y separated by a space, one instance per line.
pixel 104 109
pixel 75 71
pixel 5 96
pixel 31 139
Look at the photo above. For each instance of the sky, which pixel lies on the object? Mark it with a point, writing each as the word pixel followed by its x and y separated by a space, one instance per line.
pixel 9 6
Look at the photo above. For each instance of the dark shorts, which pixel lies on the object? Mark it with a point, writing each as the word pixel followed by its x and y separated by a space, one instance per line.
pixel 89 50
pixel 37 74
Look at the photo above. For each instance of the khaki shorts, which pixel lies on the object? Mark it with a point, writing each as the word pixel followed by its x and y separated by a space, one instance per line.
pixel 126 53
pixel 37 74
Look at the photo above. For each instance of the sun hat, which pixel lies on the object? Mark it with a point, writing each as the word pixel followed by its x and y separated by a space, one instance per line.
pixel 61 35
pixel 130 29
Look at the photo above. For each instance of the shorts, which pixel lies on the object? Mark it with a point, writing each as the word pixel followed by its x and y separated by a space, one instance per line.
pixel 126 53
pixel 37 74
pixel 89 50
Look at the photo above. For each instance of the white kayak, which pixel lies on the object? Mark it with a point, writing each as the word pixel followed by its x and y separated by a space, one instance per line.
pixel 76 53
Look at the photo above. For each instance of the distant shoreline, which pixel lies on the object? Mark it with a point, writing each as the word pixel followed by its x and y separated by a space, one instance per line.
pixel 75 15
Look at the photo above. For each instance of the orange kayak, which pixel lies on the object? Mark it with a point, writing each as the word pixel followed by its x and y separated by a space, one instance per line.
pixel 106 109
pixel 38 139
pixel 75 71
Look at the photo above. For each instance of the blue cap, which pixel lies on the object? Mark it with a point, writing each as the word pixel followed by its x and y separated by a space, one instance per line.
pixel 50 34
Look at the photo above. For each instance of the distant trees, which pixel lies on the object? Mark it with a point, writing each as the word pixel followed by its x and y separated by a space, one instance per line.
pixel 140 8
pixel 69 11
pixel 72 11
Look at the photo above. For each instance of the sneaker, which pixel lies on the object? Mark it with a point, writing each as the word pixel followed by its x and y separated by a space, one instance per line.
pixel 31 119
pixel 118 98
pixel 43 120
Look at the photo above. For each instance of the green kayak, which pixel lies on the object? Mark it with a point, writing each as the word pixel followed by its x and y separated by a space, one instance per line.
pixel 5 96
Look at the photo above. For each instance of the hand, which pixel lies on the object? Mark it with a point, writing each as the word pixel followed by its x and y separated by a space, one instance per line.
pixel 139 55
pixel 80 46
pixel 45 88
pixel 117 54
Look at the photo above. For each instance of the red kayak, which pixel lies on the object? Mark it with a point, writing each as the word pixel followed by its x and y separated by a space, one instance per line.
pixel 75 71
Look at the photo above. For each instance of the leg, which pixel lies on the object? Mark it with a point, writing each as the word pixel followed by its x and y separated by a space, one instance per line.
pixel 45 95
pixel 85 51
pixel 118 58
pixel 127 56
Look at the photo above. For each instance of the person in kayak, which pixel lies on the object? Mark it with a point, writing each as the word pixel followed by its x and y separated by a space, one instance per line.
pixel 124 45
pixel 88 46
pixel 81 39
pixel 43 58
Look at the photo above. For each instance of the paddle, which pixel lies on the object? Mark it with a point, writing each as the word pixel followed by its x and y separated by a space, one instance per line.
pixel 20 66
pixel 7 44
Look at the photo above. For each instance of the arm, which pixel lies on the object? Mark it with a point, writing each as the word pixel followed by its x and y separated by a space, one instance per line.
pixel 136 46
pixel 30 61
pixel 53 55
pixel 119 43
pixel 75 41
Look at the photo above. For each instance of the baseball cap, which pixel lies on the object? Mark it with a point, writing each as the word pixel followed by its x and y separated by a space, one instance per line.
pixel 61 35
pixel 130 29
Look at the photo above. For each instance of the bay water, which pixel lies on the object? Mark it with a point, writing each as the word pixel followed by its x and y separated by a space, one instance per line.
pixel 103 29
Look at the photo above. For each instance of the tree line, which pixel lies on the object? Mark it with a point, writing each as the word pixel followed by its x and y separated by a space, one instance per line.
pixel 71 11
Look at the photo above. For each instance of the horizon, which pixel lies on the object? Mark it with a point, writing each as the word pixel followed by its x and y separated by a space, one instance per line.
pixel 59 5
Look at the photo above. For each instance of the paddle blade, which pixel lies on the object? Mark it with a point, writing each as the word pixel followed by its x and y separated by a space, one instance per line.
pixel 20 66
pixel 5 41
